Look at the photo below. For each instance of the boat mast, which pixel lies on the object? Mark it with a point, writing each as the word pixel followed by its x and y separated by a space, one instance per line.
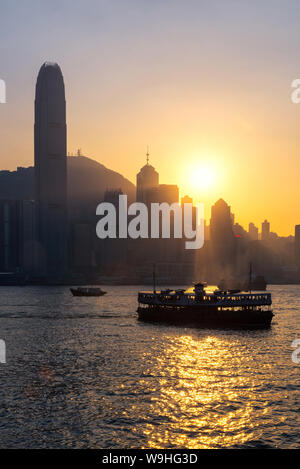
pixel 250 277
pixel 154 280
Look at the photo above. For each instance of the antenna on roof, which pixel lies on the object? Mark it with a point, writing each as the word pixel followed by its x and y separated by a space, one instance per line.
pixel 147 154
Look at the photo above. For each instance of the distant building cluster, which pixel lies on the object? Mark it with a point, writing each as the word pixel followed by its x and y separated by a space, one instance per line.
pixel 44 238
pixel 229 249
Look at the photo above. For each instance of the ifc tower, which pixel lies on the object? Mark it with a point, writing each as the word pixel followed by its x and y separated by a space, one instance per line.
pixel 50 161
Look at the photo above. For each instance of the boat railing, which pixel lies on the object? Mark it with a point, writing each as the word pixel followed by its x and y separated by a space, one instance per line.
pixel 219 300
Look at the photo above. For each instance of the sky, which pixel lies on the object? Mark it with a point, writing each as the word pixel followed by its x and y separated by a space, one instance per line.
pixel 206 84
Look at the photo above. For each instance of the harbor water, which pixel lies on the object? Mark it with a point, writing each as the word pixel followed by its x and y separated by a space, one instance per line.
pixel 85 373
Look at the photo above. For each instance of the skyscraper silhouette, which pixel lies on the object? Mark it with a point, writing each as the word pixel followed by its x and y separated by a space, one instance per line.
pixel 265 230
pixel 146 179
pixel 223 241
pixel 51 171
pixel 253 232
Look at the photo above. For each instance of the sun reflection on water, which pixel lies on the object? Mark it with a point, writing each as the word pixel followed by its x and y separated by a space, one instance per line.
pixel 200 405
pixel 102 379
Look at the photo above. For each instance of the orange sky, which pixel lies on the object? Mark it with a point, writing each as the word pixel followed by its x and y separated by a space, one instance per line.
pixel 205 86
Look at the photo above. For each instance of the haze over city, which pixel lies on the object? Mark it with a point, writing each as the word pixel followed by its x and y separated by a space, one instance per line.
pixel 158 74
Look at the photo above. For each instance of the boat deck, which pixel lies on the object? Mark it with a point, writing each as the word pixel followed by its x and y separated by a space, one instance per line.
pixel 182 299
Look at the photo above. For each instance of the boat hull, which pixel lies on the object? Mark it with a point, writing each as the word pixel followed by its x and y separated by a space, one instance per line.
pixel 212 318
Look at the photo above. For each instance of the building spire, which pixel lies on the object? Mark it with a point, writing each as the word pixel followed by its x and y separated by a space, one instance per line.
pixel 147 154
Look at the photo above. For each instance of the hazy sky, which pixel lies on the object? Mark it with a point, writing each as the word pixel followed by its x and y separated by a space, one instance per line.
pixel 206 84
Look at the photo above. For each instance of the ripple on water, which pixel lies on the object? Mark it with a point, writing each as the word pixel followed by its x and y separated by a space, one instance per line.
pixel 88 374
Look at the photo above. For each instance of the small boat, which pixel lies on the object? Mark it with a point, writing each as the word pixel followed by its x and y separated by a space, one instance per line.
pixel 87 291
pixel 217 309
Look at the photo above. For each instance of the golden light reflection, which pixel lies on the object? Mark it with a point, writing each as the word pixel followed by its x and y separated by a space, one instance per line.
pixel 204 398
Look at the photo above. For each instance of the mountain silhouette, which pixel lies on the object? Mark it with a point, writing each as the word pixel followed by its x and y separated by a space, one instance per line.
pixel 87 182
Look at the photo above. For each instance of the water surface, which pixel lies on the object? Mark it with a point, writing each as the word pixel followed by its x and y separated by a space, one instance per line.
pixel 84 373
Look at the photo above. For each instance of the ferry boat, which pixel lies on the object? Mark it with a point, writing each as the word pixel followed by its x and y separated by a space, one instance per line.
pixel 217 309
pixel 87 291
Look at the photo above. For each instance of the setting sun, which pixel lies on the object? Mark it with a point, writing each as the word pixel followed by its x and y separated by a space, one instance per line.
pixel 199 179
pixel 202 177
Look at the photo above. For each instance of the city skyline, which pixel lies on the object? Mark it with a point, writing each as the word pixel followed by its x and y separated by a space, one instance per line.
pixel 225 112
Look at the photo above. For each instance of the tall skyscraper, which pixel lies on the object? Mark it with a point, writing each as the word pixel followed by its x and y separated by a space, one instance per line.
pixel 265 230
pixel 253 232
pixel 11 234
pixel 221 220
pixel 146 179
pixel 51 171
pixel 222 236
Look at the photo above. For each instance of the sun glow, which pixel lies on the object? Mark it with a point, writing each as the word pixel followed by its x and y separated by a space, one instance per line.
pixel 199 179
pixel 202 177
